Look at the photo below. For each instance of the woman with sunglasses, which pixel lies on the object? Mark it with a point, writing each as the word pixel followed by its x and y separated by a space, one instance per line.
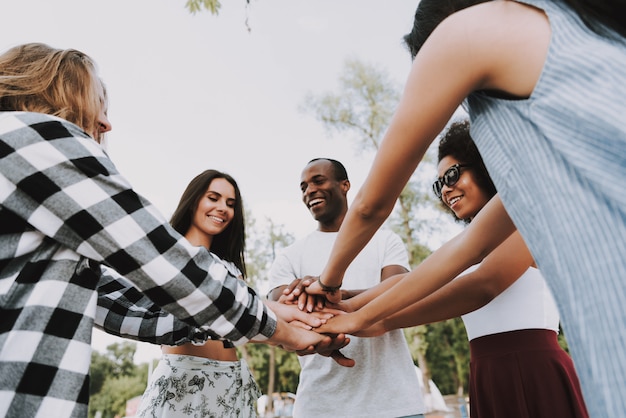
pixel 518 368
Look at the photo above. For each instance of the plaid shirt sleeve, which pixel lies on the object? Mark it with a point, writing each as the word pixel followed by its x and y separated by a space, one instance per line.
pixel 64 185
pixel 126 312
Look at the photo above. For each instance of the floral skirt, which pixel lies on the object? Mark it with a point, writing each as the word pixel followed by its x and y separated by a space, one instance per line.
pixel 189 386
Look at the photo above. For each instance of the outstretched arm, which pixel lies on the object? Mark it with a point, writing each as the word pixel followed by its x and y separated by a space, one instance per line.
pixel 470 291
pixel 124 311
pixel 82 203
pixel 488 230
pixel 449 66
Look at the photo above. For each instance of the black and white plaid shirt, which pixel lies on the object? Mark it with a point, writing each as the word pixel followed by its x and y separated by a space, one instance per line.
pixel 64 209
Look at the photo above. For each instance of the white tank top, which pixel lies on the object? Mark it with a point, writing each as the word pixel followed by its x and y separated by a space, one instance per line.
pixel 526 304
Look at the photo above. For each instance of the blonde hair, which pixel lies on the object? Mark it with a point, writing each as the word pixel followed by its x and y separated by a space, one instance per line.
pixel 37 78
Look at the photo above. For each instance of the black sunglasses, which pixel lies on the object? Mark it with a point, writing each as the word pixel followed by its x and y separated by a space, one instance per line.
pixel 450 177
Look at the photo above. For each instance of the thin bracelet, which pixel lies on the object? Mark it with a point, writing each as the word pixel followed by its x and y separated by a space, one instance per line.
pixel 328 289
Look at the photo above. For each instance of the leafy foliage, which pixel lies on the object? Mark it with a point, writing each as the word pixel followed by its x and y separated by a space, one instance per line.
pixel 213 6
pixel 362 107
pixel 286 368
pixel 448 355
pixel 195 6
pixel 275 370
pixel 115 379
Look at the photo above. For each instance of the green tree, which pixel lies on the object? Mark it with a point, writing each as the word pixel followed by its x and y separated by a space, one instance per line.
pixel 274 369
pixel 213 6
pixel 112 398
pixel 448 355
pixel 101 367
pixel 115 379
pixel 195 6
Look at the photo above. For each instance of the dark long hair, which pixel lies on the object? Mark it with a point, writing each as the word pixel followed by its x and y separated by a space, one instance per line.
pixel 456 142
pixel 601 16
pixel 231 243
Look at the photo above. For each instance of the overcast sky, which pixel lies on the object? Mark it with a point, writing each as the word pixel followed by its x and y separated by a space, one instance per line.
pixel 191 92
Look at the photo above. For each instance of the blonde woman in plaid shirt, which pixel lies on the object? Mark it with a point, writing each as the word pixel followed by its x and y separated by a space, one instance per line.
pixel 64 210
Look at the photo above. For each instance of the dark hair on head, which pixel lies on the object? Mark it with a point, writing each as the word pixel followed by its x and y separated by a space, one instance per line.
pixel 338 168
pixel 456 142
pixel 230 244
pixel 429 14
pixel 601 16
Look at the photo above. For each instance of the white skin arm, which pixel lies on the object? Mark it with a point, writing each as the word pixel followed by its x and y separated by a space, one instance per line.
pixel 462 55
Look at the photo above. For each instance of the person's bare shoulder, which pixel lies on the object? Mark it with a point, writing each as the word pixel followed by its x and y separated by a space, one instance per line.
pixel 505 42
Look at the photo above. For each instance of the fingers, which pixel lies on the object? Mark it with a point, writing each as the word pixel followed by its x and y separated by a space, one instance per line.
pixel 301 324
pixel 326 347
pixel 302 301
pixel 320 302
pixel 307 318
pixel 331 312
pixel 323 315
pixel 298 286
pixel 311 303
pixel 290 298
pixel 341 359
pixel 330 348
pixel 292 286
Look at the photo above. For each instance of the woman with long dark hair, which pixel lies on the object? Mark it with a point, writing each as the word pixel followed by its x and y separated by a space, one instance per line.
pixel 206 379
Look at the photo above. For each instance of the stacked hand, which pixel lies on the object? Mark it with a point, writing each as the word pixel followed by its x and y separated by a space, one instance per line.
pixel 309 311
pixel 295 332
pixel 344 318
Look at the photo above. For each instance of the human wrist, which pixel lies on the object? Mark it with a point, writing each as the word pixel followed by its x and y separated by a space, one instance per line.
pixel 328 288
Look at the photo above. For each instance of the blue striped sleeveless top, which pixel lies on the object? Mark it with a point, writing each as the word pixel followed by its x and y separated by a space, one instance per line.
pixel 558 160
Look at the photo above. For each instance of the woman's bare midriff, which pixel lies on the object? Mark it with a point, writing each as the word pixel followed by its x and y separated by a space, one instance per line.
pixel 214 350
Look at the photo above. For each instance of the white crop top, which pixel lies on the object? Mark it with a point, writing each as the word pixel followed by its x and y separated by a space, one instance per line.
pixel 526 304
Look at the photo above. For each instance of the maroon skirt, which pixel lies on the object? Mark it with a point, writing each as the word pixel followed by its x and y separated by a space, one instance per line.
pixel 523 374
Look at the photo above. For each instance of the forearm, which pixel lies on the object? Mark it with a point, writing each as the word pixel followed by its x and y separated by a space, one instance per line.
pixel 461 296
pixel 468 248
pixel 90 209
pixel 364 297
pixel 355 232
pixel 124 311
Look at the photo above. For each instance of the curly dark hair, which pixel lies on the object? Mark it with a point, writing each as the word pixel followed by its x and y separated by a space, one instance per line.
pixel 456 142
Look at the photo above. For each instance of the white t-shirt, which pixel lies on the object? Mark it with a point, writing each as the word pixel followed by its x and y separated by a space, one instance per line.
pixel 526 304
pixel 383 383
